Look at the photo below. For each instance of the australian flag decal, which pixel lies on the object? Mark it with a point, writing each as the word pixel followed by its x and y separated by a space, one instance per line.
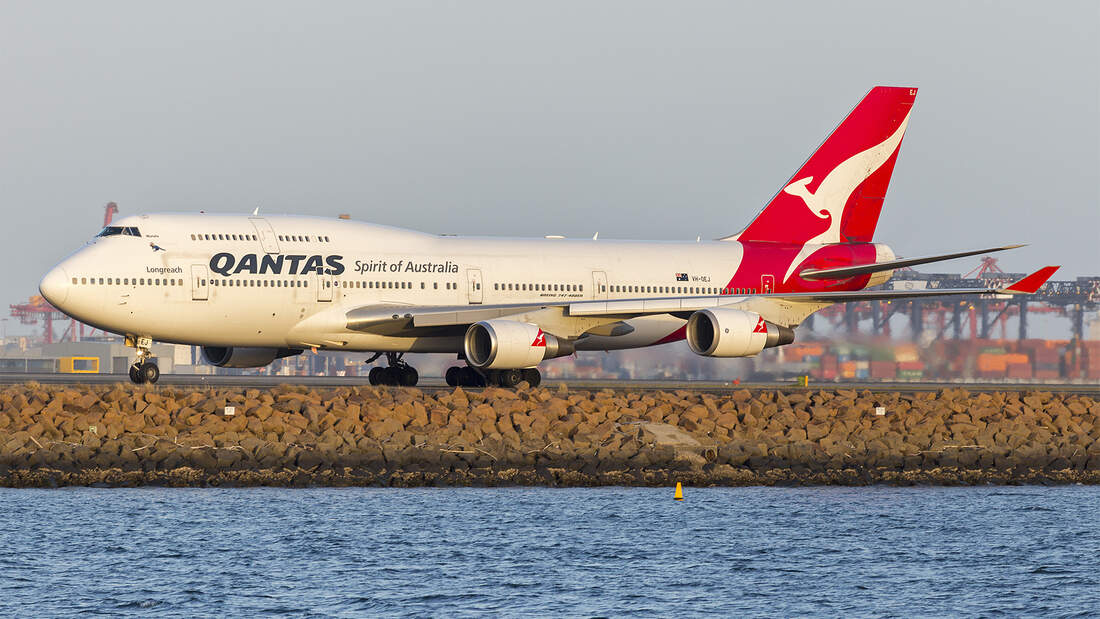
pixel 681 277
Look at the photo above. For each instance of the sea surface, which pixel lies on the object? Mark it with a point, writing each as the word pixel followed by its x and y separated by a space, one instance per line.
pixel 879 551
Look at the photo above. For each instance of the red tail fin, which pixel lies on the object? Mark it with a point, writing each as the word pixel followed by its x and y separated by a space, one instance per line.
pixel 836 196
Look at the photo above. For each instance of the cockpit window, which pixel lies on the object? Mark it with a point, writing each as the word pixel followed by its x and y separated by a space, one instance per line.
pixel 119 230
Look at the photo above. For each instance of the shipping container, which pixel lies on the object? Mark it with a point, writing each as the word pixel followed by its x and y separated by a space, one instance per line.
pixel 884 370
pixel 992 362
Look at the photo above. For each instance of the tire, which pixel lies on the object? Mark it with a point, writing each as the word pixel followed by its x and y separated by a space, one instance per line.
pixel 509 378
pixel 408 376
pixel 453 376
pixel 532 376
pixel 136 376
pixel 375 376
pixel 150 373
pixel 470 377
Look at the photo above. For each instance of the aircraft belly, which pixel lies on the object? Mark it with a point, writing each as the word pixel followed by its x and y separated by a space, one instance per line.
pixel 648 330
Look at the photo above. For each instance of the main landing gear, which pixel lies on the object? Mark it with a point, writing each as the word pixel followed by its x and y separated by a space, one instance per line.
pixel 144 369
pixel 399 374
pixel 472 377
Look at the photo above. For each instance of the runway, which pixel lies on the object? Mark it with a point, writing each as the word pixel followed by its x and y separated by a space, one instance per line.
pixel 436 384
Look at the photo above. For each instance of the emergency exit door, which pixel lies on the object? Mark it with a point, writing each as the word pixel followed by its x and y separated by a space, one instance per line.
pixel 473 286
pixel 200 283
pixel 268 240
pixel 767 284
pixel 599 285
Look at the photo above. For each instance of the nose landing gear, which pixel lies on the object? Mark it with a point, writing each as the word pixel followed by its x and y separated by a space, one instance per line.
pixel 144 368
pixel 398 374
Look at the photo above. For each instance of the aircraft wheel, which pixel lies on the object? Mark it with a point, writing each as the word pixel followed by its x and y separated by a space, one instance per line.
pixel 374 376
pixel 406 376
pixel 509 378
pixel 532 376
pixel 150 373
pixel 135 374
pixel 470 377
pixel 453 376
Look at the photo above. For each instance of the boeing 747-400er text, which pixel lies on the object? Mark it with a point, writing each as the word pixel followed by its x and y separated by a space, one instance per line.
pixel 252 289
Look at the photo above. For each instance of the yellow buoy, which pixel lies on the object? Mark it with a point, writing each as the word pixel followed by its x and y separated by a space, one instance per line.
pixel 679 496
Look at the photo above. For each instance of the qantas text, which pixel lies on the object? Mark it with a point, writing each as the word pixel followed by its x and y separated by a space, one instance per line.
pixel 228 264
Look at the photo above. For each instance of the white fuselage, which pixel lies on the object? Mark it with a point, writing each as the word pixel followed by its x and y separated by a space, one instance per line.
pixel 288 281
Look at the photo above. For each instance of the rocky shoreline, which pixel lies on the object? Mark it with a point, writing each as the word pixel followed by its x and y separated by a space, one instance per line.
pixel 123 435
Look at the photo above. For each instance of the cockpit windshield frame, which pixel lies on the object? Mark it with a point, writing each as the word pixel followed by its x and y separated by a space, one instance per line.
pixel 119 231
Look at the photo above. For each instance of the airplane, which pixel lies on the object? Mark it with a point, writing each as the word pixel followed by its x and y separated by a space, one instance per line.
pixel 251 289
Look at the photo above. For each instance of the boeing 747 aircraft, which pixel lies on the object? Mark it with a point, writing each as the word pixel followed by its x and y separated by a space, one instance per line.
pixel 252 289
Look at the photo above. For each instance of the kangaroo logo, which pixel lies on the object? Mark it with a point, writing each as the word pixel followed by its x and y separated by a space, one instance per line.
pixel 828 201
pixel 540 339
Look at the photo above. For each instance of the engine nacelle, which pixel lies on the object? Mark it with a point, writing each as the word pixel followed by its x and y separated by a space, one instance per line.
pixel 727 332
pixel 509 344
pixel 235 357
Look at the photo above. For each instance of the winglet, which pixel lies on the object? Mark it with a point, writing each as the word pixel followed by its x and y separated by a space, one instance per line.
pixel 1032 283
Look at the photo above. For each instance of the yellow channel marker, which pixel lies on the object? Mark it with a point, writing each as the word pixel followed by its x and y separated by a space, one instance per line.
pixel 679 496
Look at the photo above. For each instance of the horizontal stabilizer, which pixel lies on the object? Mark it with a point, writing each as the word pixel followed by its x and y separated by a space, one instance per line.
pixel 877 267
pixel 1032 283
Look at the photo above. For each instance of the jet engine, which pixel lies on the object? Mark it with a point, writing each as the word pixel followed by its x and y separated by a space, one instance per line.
pixel 235 357
pixel 509 344
pixel 727 332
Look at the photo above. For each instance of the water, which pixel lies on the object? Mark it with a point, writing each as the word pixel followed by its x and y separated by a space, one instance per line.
pixel 574 552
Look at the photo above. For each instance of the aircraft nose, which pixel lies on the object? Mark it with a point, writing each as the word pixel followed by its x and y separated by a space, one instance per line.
pixel 55 286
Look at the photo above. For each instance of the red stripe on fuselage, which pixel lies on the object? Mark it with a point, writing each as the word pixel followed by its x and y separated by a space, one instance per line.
pixel 774 259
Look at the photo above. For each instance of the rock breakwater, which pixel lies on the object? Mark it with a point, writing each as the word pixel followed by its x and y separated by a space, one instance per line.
pixel 122 435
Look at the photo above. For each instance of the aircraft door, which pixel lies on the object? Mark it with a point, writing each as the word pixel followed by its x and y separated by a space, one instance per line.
pixel 200 284
pixel 473 286
pixel 267 236
pixel 325 284
pixel 767 284
pixel 599 285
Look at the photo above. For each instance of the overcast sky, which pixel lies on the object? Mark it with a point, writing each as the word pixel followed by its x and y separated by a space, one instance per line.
pixel 634 119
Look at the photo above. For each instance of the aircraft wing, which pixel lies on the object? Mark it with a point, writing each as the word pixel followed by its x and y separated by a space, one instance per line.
pixel 439 320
